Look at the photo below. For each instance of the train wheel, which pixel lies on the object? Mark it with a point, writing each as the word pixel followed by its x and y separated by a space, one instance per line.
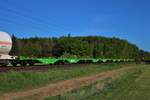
pixel 23 63
pixel 4 65
pixel 31 63
pixel 14 64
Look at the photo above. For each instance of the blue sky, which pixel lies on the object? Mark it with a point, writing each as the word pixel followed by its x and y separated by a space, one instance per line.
pixel 126 19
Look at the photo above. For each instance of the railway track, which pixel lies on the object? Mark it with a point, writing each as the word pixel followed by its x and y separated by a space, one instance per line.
pixel 42 68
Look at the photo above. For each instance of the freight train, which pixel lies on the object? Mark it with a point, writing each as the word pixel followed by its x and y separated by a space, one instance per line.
pixel 7 60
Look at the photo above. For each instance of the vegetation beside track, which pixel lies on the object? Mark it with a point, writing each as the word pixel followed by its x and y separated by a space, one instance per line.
pixel 133 85
pixel 77 47
pixel 13 81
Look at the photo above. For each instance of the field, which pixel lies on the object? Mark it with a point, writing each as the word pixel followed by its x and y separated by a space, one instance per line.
pixel 93 82
pixel 13 81
pixel 133 85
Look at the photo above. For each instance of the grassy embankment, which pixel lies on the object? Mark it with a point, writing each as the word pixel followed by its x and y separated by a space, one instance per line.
pixel 133 85
pixel 14 81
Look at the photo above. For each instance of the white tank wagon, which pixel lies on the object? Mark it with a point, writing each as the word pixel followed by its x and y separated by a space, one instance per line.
pixel 5 47
pixel 5 43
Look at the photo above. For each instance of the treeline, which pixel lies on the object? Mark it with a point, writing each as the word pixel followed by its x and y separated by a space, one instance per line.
pixel 88 46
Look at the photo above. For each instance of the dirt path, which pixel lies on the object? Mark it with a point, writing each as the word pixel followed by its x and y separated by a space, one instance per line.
pixel 63 86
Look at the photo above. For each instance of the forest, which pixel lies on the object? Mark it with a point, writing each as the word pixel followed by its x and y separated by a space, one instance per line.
pixel 83 47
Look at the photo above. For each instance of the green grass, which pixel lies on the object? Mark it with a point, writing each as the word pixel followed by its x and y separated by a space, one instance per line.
pixel 133 85
pixel 14 81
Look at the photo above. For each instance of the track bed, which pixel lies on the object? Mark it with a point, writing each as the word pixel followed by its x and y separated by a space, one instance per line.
pixel 41 68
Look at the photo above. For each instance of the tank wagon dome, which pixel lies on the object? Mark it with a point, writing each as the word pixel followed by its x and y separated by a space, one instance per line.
pixel 5 43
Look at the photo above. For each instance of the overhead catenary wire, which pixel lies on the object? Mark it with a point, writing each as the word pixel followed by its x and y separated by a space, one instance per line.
pixel 31 18
pixel 33 26
pixel 36 21
pixel 11 23
pixel 27 19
